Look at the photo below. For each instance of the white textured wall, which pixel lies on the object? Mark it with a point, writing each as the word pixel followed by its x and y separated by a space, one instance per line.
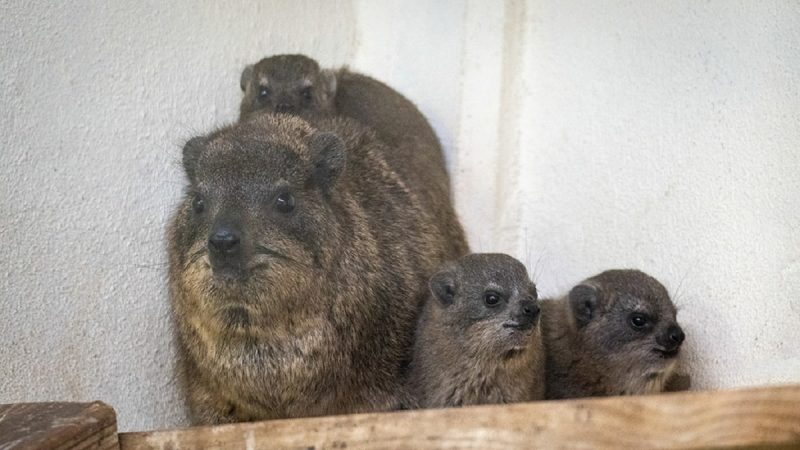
pixel 97 99
pixel 581 136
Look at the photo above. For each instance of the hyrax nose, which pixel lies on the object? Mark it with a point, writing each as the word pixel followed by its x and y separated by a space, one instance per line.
pixel 224 240
pixel 675 336
pixel 527 313
pixel 529 308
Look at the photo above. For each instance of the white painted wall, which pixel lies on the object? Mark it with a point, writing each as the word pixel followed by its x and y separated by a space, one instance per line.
pixel 581 136
pixel 97 99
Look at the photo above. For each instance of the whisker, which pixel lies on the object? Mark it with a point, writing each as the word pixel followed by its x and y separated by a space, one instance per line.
pixel 194 257
pixel 158 265
pixel 678 292
pixel 261 249
pixel 538 268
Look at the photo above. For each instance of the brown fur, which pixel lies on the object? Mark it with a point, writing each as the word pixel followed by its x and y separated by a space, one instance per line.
pixel 467 353
pixel 592 347
pixel 314 313
pixel 395 119
pixel 290 84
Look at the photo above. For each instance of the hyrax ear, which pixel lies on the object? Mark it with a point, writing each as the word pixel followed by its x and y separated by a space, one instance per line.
pixel 329 157
pixel 191 153
pixel 247 73
pixel 443 286
pixel 584 300
pixel 328 82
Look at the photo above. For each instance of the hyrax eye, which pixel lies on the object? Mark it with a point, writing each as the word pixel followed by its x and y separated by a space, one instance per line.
pixel 263 92
pixel 491 299
pixel 306 92
pixel 198 204
pixel 638 321
pixel 284 203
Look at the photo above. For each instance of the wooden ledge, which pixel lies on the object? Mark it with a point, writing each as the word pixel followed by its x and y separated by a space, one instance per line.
pixel 762 418
pixel 58 426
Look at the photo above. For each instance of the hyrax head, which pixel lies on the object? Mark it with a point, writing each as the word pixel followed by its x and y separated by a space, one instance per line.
pixel 290 84
pixel 256 220
pixel 490 300
pixel 627 317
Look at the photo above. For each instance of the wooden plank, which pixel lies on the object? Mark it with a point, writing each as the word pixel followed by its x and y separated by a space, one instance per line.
pixel 763 418
pixel 58 426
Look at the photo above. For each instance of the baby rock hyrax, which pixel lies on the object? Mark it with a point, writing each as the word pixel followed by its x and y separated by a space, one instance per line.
pixel 291 84
pixel 297 257
pixel 614 334
pixel 478 338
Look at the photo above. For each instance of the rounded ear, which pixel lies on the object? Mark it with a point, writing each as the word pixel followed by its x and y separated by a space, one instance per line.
pixel 329 157
pixel 191 153
pixel 247 73
pixel 328 79
pixel 583 300
pixel 443 287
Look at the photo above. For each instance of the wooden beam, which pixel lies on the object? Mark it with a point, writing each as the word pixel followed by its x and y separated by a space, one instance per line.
pixel 764 417
pixel 58 426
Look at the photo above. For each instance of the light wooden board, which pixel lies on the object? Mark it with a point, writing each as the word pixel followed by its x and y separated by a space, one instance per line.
pixel 58 426
pixel 759 418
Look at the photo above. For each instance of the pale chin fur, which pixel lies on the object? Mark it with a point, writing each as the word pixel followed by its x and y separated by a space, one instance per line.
pixel 650 382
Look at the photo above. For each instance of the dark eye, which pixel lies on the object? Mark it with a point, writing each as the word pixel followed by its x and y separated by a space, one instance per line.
pixel 491 299
pixel 284 203
pixel 263 92
pixel 306 93
pixel 638 321
pixel 198 205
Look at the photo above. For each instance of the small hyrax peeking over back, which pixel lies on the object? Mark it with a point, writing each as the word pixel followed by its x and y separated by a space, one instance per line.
pixel 291 84
pixel 478 339
pixel 614 334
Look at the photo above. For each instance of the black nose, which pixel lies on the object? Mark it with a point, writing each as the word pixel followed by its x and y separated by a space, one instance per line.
pixel 224 240
pixel 529 309
pixel 675 335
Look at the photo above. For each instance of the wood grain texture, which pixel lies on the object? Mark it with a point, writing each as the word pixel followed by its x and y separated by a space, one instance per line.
pixel 762 418
pixel 58 426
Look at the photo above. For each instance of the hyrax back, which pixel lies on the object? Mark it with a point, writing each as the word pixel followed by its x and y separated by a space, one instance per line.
pixel 295 84
pixel 297 259
pixel 614 334
pixel 478 338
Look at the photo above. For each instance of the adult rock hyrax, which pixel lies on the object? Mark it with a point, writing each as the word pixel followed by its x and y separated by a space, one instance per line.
pixel 295 84
pixel 614 334
pixel 478 339
pixel 298 258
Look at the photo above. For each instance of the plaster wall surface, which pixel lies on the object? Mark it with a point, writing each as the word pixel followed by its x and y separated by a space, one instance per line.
pixel 580 136
pixel 98 98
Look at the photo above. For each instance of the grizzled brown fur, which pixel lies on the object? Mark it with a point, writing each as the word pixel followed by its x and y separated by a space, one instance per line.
pixel 295 84
pixel 290 84
pixel 478 339
pixel 297 260
pixel 614 334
